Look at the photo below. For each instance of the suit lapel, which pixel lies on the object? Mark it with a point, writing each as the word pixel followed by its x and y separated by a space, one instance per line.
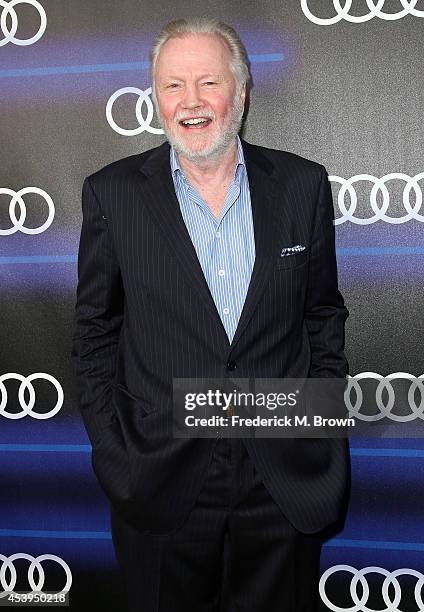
pixel 159 196
pixel 157 192
pixel 263 190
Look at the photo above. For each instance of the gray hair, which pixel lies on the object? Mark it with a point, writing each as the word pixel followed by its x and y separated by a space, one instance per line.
pixel 180 28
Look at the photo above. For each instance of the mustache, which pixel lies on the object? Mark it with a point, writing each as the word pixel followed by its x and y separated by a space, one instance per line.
pixel 194 115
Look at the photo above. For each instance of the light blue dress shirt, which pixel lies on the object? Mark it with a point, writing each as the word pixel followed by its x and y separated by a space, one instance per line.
pixel 225 246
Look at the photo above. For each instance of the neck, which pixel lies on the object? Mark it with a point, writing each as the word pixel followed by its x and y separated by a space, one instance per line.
pixel 210 169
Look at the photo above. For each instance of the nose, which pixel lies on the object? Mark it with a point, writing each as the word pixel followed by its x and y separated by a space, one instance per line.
pixel 191 97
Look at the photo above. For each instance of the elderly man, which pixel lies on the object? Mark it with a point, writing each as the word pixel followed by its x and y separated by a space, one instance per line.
pixel 182 275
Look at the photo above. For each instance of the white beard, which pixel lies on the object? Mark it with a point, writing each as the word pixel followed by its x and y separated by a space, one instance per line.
pixel 221 141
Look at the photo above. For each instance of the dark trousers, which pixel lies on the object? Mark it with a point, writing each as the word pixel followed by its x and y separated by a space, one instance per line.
pixel 236 552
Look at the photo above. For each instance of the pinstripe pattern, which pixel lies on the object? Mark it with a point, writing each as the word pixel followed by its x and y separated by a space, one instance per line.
pixel 225 247
pixel 235 551
pixel 145 314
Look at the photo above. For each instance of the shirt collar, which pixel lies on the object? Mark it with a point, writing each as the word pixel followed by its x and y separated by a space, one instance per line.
pixel 175 166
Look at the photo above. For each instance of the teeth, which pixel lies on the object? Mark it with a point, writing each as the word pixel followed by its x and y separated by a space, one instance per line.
pixel 193 121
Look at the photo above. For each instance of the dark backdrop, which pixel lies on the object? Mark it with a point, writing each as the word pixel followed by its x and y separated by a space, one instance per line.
pixel 347 93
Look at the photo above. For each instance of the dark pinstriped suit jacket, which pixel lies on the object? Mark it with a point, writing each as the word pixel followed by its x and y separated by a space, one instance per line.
pixel 144 314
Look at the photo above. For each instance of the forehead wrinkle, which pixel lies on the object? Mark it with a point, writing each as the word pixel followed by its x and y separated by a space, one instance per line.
pixel 182 48
pixel 204 75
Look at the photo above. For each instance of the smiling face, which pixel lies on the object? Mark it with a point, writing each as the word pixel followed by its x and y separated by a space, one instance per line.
pixel 197 102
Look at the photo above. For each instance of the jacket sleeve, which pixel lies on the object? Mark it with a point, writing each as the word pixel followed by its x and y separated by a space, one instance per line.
pixel 98 317
pixel 325 312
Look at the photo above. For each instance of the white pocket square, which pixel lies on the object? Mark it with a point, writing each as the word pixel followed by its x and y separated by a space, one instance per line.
pixel 286 251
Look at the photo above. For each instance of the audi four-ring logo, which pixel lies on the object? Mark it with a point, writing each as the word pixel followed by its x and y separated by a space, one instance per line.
pixel 9 35
pixel 374 7
pixel 360 599
pixel 27 407
pixel 35 564
pixel 379 186
pixel 385 386
pixel 17 199
pixel 143 98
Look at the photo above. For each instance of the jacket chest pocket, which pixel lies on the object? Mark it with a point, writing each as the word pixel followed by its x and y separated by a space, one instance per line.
pixel 290 262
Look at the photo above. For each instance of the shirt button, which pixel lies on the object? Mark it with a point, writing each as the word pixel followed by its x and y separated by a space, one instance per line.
pixel 231 365
pixel 226 311
pixel 221 272
pixel 218 234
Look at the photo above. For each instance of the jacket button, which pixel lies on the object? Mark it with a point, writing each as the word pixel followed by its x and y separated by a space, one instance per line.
pixel 231 365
